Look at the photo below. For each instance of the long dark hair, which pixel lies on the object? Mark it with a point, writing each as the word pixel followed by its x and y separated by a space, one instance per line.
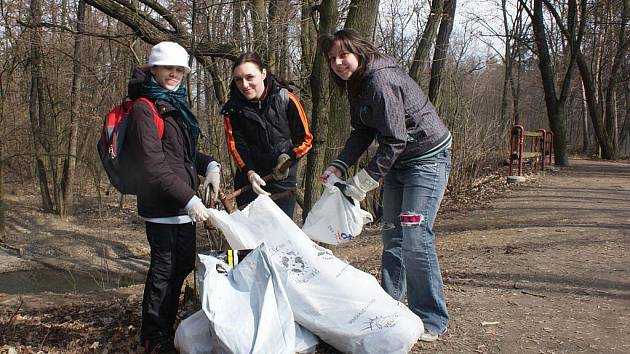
pixel 350 41
pixel 254 58
pixel 249 57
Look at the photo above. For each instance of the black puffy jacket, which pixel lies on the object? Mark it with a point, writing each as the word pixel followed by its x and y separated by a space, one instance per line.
pixel 258 132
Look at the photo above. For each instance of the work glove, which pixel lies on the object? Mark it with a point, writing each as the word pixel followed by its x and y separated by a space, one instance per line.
pixel 196 210
pixel 257 182
pixel 213 178
pixel 281 171
pixel 358 185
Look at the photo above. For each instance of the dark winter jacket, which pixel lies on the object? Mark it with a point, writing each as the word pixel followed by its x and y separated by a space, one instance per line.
pixel 258 132
pixel 388 104
pixel 164 170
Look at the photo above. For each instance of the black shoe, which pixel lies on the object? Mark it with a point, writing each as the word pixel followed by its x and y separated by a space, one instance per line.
pixel 158 345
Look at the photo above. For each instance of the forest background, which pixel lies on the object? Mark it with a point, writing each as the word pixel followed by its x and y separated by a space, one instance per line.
pixel 486 65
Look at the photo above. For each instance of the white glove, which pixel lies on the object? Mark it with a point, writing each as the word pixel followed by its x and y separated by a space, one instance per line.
pixel 196 209
pixel 213 178
pixel 358 185
pixel 278 172
pixel 257 182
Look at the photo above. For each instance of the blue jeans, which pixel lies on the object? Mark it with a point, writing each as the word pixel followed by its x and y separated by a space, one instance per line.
pixel 410 262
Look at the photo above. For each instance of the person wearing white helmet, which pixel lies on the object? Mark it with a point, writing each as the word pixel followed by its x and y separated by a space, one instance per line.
pixel 166 165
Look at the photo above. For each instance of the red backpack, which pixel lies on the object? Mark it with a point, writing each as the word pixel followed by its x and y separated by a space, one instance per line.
pixel 111 143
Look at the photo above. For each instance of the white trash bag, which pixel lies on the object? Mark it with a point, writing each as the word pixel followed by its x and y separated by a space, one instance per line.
pixel 193 335
pixel 342 305
pixel 334 219
pixel 248 309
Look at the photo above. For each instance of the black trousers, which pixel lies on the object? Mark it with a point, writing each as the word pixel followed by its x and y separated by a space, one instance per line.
pixel 173 252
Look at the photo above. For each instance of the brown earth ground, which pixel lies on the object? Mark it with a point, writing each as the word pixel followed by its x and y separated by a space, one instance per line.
pixel 538 267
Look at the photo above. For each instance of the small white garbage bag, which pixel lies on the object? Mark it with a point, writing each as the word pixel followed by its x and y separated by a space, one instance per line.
pixel 193 335
pixel 248 310
pixel 334 219
pixel 342 305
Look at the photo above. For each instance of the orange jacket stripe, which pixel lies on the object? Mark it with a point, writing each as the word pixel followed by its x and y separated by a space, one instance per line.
pixel 231 144
pixel 308 137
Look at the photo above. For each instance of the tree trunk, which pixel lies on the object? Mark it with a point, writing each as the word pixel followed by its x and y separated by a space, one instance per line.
pixel 441 51
pixel 548 81
pixel 555 104
pixel 611 90
pixel 308 38
pixel 283 68
pixel 37 106
pixel 67 182
pixel 260 27
pixel 585 130
pixel 594 109
pixel 320 97
pixel 3 134
pixel 2 207
pixel 512 47
pixel 273 33
pixel 361 18
pixel 593 94
pixel 507 77
pixel 516 87
pixel 237 13
pixel 421 58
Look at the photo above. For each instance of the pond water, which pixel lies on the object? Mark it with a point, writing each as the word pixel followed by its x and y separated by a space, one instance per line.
pixel 59 281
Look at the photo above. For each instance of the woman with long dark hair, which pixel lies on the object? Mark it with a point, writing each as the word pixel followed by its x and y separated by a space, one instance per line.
pixel 413 160
pixel 266 129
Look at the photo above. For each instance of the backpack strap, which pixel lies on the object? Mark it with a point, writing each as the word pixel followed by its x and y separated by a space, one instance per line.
pixel 159 122
pixel 284 98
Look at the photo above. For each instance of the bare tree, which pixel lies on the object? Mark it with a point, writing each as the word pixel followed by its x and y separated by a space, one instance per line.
pixel 441 50
pixel 513 31
pixel 320 94
pixel 421 58
pixel 153 31
pixel 7 68
pixel 259 20
pixel 585 126
pixel 602 111
pixel 68 178
pixel 37 107
pixel 2 133
pixel 556 101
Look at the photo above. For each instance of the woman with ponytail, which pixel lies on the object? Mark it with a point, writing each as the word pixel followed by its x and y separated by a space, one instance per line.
pixel 413 161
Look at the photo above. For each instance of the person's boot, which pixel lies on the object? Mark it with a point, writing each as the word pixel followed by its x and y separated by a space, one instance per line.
pixel 158 345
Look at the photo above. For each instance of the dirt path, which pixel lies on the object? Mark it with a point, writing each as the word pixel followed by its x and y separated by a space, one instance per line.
pixel 542 269
pixel 545 269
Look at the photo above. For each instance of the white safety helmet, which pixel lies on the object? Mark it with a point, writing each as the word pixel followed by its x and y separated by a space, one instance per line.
pixel 169 54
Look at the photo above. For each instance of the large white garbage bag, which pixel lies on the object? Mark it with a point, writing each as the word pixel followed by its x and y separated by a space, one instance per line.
pixel 342 305
pixel 193 333
pixel 193 336
pixel 248 310
pixel 334 219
